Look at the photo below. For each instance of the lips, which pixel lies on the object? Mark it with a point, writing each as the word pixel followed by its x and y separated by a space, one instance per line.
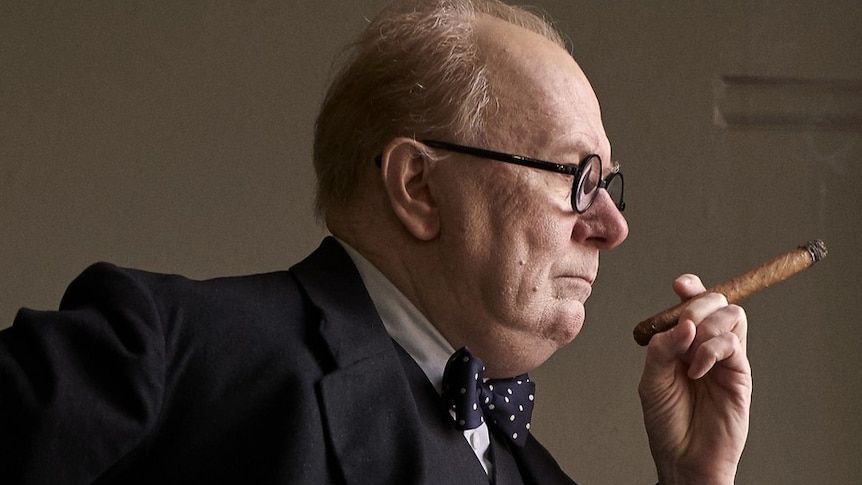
pixel 575 287
pixel 588 279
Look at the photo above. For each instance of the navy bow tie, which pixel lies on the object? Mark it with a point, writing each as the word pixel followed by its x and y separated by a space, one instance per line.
pixel 506 403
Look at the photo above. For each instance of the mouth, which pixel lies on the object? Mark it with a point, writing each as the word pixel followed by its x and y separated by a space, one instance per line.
pixel 587 279
pixel 576 287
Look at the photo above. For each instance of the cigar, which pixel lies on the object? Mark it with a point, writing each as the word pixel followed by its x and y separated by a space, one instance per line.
pixel 740 287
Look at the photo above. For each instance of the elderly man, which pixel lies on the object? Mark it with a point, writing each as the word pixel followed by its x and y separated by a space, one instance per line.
pixel 465 174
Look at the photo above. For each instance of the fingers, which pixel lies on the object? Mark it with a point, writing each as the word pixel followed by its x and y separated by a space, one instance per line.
pixel 709 331
pixel 712 316
pixel 725 348
pixel 666 347
pixel 721 332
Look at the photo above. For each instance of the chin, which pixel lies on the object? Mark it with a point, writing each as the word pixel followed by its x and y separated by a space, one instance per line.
pixel 567 335
pixel 557 337
pixel 565 329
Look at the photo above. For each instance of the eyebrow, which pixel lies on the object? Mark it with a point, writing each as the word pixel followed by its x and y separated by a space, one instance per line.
pixel 581 146
pixel 584 145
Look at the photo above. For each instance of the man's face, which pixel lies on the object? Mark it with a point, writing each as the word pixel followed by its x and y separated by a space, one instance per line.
pixel 519 262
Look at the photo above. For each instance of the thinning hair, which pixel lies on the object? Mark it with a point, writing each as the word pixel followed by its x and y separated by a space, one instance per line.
pixel 416 71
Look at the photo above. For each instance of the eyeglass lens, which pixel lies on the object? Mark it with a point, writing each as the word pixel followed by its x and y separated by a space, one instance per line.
pixel 585 188
pixel 585 192
pixel 614 186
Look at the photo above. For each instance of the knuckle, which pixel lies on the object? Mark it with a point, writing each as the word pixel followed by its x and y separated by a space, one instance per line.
pixel 737 314
pixel 718 299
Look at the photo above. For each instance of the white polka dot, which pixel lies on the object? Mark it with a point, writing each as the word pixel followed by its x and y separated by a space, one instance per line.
pixel 475 406
pixel 512 418
pixel 476 376
pixel 506 398
pixel 521 407
pixel 531 397
pixel 490 387
pixel 487 399
pixel 519 382
pixel 528 426
pixel 491 406
pixel 514 436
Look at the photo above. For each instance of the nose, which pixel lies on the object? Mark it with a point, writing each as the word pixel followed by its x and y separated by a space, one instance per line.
pixel 602 225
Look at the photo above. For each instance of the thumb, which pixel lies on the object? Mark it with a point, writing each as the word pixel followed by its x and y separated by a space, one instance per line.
pixel 688 286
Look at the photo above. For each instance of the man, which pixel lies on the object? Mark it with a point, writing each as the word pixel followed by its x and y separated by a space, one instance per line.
pixel 333 372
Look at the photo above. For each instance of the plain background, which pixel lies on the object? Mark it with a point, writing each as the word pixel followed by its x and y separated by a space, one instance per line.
pixel 175 136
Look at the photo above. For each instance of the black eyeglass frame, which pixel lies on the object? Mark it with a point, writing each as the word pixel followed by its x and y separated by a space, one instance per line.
pixel 575 171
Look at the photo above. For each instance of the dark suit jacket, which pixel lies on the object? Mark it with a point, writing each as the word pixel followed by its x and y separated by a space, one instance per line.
pixel 286 377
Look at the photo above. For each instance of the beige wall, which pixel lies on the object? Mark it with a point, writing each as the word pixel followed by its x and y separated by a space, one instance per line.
pixel 175 136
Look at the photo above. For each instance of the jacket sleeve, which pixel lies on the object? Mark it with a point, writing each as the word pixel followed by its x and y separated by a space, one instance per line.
pixel 82 386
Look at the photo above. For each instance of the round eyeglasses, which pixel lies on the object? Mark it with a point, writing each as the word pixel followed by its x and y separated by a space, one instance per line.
pixel 587 175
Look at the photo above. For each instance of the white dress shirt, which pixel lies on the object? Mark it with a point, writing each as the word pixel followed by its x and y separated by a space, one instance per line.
pixel 409 327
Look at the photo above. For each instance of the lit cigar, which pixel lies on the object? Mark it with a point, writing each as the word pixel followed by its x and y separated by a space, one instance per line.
pixel 741 287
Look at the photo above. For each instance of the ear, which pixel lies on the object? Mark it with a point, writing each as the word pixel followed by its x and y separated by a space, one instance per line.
pixel 406 173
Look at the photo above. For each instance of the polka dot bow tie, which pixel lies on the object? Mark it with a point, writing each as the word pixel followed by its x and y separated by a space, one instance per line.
pixel 506 403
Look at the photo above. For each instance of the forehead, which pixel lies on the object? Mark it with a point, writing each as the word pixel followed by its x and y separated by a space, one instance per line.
pixel 544 100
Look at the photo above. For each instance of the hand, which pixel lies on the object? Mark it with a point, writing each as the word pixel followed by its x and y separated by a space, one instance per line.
pixel 696 390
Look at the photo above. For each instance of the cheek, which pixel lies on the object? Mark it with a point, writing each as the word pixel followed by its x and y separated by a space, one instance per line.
pixel 506 239
pixel 522 280
pixel 523 243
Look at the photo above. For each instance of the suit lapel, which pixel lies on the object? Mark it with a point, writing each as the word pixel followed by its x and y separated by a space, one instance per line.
pixel 506 471
pixel 349 323
pixel 378 430
pixel 371 423
pixel 537 466
pixel 359 396
pixel 448 457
